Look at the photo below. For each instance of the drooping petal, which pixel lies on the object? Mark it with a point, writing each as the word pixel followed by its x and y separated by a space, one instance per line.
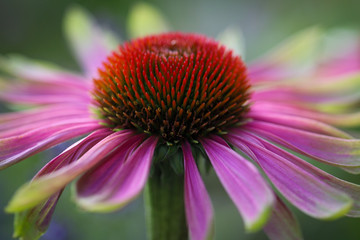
pixel 74 152
pixel 331 150
pixel 50 121
pixel 300 182
pixel 335 101
pixel 351 189
pixel 97 180
pixel 298 122
pixel 41 72
pixel 340 61
pixel 90 44
pixel 144 20
pixel 334 86
pixel 340 120
pixel 290 59
pixel 32 223
pixel 297 96
pixel 282 224
pixel 245 185
pixel 33 193
pixel 128 183
pixel 19 147
pixel 199 213
pixel 16 119
pixel 44 93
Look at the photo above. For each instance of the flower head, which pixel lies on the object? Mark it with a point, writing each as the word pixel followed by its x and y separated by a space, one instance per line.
pixel 174 91
pixel 176 86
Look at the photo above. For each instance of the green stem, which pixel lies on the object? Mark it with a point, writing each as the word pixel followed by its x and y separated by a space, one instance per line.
pixel 164 204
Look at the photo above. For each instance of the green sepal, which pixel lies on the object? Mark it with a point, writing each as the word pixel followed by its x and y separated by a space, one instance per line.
pixel 25 226
pixel 169 154
pixel 177 163
pixel 202 160
pixel 32 223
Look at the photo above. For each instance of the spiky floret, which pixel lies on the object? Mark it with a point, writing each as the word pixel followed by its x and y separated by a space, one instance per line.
pixel 178 86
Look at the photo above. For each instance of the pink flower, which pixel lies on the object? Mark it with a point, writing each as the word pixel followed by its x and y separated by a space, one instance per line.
pixel 184 92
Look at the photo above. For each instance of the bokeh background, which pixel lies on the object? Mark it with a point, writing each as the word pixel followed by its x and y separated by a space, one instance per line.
pixel 34 29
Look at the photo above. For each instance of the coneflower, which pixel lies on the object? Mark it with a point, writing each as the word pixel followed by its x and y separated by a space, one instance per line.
pixel 158 106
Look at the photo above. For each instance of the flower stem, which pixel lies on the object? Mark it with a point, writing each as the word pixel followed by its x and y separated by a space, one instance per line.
pixel 164 204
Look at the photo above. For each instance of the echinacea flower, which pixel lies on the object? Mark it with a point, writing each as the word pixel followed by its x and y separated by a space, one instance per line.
pixel 152 110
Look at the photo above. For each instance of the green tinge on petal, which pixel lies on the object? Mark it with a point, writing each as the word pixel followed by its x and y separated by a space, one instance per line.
pixel 283 224
pixel 33 223
pixel 110 40
pixel 234 40
pixel 101 207
pixel 300 48
pixel 79 28
pixel 24 227
pixel 211 233
pixel 3 84
pixel 336 107
pixel 352 170
pixel 14 64
pixel 260 221
pixel 92 204
pixel 347 38
pixel 33 193
pixel 342 212
pixel 346 82
pixel 77 25
pixel 145 19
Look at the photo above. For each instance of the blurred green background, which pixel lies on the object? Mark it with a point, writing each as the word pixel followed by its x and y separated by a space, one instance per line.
pixel 34 28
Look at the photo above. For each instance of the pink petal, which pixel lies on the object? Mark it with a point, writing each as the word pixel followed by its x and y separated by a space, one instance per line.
pixel 43 187
pixel 349 188
pixel 282 224
pixel 199 213
pixel 74 152
pixel 13 129
pixel 341 120
pixel 34 222
pixel 36 71
pixel 312 98
pixel 330 150
pixel 293 58
pixel 245 185
pixel 44 93
pixel 17 148
pixel 98 179
pixel 260 73
pixel 295 179
pixel 338 67
pixel 344 60
pixel 298 122
pixel 89 42
pixel 128 183
pixel 38 114
pixel 291 94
